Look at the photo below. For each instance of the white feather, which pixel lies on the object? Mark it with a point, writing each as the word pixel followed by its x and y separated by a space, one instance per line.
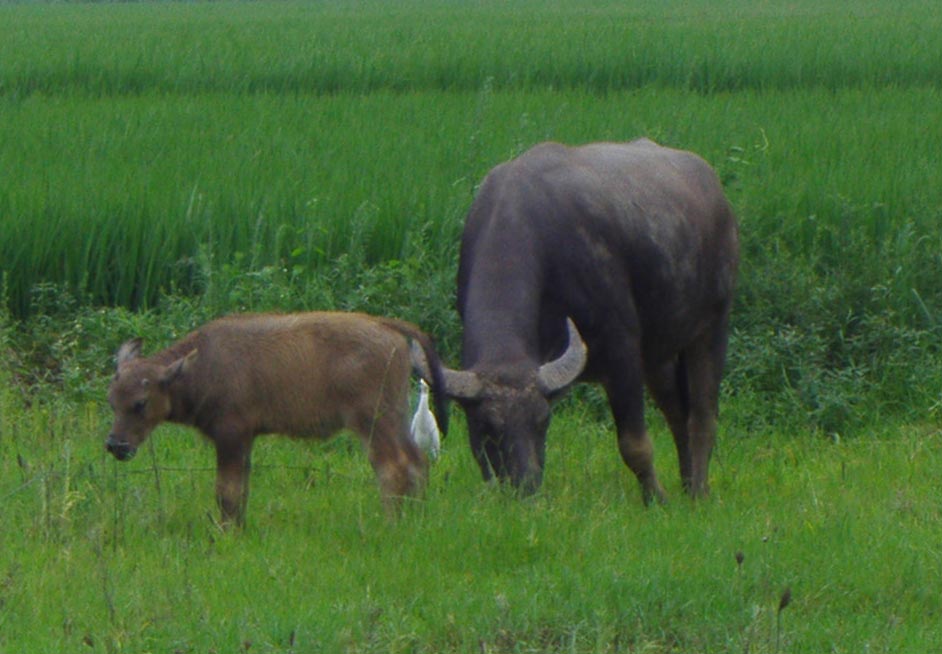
pixel 424 428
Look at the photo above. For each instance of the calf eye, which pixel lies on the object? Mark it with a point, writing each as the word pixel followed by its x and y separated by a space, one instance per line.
pixel 139 406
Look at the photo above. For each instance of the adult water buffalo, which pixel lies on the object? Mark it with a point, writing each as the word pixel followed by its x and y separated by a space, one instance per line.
pixel 638 246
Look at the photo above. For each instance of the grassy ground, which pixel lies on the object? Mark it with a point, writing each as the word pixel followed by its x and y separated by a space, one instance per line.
pixel 102 556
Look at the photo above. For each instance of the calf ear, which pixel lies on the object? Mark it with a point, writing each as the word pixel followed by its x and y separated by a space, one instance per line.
pixel 129 351
pixel 177 368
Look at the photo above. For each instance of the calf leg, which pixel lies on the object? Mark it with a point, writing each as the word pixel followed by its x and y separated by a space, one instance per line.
pixel 626 397
pixel 233 461
pixel 401 467
pixel 401 471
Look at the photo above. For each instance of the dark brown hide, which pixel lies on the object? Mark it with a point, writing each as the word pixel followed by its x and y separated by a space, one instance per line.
pixel 307 375
pixel 638 246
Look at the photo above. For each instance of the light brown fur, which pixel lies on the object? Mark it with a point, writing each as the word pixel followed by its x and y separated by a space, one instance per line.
pixel 308 375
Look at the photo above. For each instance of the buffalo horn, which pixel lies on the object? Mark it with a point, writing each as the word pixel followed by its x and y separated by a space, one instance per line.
pixel 459 384
pixel 556 375
pixel 462 384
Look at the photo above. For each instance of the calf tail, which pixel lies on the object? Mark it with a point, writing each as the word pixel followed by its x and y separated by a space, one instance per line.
pixel 427 365
pixel 437 383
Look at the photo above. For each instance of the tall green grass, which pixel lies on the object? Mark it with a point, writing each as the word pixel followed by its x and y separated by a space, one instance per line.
pixel 116 197
pixel 132 189
pixel 139 137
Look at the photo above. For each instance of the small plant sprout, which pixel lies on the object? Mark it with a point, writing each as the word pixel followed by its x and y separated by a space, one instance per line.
pixel 783 603
pixel 424 430
pixel 785 600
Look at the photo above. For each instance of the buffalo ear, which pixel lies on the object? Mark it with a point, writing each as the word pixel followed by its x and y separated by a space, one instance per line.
pixel 177 368
pixel 128 351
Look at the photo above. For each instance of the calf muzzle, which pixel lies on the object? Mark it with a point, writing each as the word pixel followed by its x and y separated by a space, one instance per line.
pixel 121 450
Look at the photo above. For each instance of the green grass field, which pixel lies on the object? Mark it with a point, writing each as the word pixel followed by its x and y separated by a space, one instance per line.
pixel 99 556
pixel 164 163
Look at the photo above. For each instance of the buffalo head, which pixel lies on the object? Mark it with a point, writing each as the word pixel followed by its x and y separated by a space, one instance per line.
pixel 508 411
pixel 140 398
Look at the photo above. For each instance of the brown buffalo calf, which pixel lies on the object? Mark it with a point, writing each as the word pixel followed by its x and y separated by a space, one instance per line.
pixel 307 375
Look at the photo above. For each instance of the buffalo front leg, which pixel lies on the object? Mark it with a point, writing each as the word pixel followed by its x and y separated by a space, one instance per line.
pixel 626 397
pixel 233 462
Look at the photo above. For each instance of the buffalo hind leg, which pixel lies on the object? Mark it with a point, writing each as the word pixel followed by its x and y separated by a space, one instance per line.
pixel 233 462
pixel 626 397
pixel 704 363
pixel 668 386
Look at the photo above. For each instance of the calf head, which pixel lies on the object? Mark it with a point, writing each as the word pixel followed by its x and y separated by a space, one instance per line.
pixel 140 397
pixel 508 411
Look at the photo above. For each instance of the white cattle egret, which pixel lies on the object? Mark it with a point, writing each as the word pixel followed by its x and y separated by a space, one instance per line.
pixel 424 429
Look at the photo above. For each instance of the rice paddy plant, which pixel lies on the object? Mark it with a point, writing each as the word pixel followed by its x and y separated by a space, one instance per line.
pixel 152 182
pixel 134 188
pixel 288 134
pixel 366 46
